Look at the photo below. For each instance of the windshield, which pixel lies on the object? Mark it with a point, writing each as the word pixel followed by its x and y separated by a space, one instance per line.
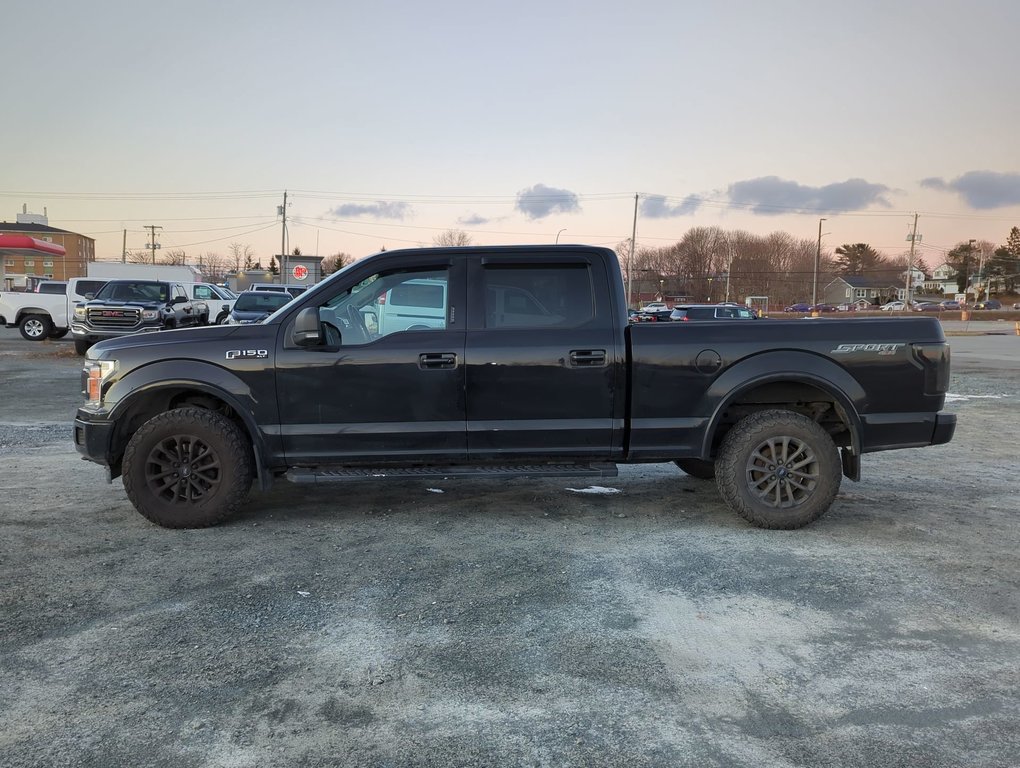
pixel 261 301
pixel 129 290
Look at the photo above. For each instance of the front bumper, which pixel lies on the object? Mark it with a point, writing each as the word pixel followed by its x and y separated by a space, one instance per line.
pixel 84 333
pixel 93 438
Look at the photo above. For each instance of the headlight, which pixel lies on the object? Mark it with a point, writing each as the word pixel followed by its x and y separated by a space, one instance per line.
pixel 94 375
pixel 150 314
pixel 79 313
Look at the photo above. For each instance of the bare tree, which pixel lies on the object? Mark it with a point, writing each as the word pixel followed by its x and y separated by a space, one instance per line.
pixel 139 257
pixel 175 258
pixel 241 256
pixel 213 266
pixel 335 263
pixel 452 237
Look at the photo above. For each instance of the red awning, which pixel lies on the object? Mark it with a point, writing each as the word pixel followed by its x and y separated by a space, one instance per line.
pixel 23 245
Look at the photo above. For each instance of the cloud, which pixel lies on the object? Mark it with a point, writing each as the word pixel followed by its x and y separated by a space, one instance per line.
pixel 379 210
pixel 540 201
pixel 981 189
pixel 771 195
pixel 473 220
pixel 656 207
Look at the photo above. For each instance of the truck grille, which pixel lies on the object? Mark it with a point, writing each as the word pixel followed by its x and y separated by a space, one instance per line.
pixel 114 318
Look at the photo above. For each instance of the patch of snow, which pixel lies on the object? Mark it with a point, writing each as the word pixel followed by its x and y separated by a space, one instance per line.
pixel 596 489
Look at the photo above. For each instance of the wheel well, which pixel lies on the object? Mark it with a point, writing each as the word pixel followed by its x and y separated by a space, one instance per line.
pixel 149 404
pixel 800 397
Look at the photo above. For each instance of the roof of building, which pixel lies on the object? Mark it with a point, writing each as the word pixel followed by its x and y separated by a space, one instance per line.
pixel 863 281
pixel 7 226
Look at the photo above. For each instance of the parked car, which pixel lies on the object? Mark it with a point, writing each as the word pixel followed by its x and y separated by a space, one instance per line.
pixel 927 306
pixel 654 306
pixel 800 306
pixel 653 316
pixel 251 306
pixel 950 304
pixel 293 290
pixel 988 304
pixel 46 315
pixel 824 308
pixel 894 306
pixel 687 312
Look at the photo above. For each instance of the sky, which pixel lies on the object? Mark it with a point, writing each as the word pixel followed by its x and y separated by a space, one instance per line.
pixel 388 123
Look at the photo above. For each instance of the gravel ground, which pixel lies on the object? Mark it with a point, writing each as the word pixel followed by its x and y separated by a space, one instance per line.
pixel 513 622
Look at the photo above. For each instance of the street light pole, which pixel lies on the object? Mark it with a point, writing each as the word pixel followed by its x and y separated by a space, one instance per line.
pixel 818 258
pixel 558 234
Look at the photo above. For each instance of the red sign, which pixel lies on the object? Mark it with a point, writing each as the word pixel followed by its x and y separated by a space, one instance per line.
pixel 300 272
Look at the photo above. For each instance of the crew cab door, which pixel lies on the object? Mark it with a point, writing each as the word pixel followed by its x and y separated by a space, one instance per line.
pixel 379 388
pixel 544 367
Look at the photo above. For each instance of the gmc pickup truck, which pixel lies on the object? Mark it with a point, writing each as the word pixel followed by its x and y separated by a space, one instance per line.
pixel 124 307
pixel 504 362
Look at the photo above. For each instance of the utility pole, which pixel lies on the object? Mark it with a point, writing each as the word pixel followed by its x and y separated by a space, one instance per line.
pixel 153 245
pixel 283 240
pixel 818 258
pixel 630 261
pixel 910 266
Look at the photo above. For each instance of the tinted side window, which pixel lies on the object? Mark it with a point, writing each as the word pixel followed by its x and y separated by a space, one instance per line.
pixel 537 296
pixel 701 313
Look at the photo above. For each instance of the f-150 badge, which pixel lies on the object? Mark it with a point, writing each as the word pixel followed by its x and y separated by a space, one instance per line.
pixel 878 349
pixel 246 354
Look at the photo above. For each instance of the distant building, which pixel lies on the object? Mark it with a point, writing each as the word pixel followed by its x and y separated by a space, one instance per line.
pixel 850 289
pixel 22 265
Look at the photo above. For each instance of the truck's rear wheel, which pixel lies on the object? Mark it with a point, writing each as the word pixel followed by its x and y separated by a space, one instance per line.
pixel 35 327
pixel 699 468
pixel 188 468
pixel 778 469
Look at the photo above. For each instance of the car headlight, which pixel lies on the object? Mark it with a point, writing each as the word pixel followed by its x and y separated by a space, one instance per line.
pixel 150 314
pixel 94 375
pixel 79 313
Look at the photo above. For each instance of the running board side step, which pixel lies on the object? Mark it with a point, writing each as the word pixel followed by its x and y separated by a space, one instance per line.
pixel 457 471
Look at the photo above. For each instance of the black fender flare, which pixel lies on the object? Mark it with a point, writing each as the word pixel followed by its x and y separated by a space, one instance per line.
pixel 786 366
pixel 204 378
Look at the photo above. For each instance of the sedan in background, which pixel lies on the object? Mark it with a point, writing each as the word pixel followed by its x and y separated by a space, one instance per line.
pixel 824 308
pixel 950 304
pixel 988 304
pixel 652 316
pixel 252 306
pixel 798 307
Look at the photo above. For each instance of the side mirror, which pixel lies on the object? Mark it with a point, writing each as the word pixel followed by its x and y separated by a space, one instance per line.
pixel 89 296
pixel 180 300
pixel 307 332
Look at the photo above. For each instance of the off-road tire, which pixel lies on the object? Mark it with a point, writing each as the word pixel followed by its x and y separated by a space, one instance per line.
pixel 81 346
pixel 702 469
pixel 188 468
pixel 778 469
pixel 35 327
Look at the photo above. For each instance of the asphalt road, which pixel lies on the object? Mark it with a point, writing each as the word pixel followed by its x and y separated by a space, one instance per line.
pixel 513 622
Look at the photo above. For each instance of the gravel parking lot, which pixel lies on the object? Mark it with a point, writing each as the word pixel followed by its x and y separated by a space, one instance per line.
pixel 513 622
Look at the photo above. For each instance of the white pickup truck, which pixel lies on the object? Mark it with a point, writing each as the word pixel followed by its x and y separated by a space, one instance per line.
pixel 46 315
pixel 219 299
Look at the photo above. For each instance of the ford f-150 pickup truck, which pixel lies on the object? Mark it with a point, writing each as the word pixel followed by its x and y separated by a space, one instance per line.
pixel 123 307
pixel 503 362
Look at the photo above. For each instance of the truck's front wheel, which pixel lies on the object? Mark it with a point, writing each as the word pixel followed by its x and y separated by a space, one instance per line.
pixel 35 327
pixel 778 469
pixel 187 468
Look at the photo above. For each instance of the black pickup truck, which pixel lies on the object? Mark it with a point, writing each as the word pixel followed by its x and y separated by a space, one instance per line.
pixel 503 362
pixel 123 307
